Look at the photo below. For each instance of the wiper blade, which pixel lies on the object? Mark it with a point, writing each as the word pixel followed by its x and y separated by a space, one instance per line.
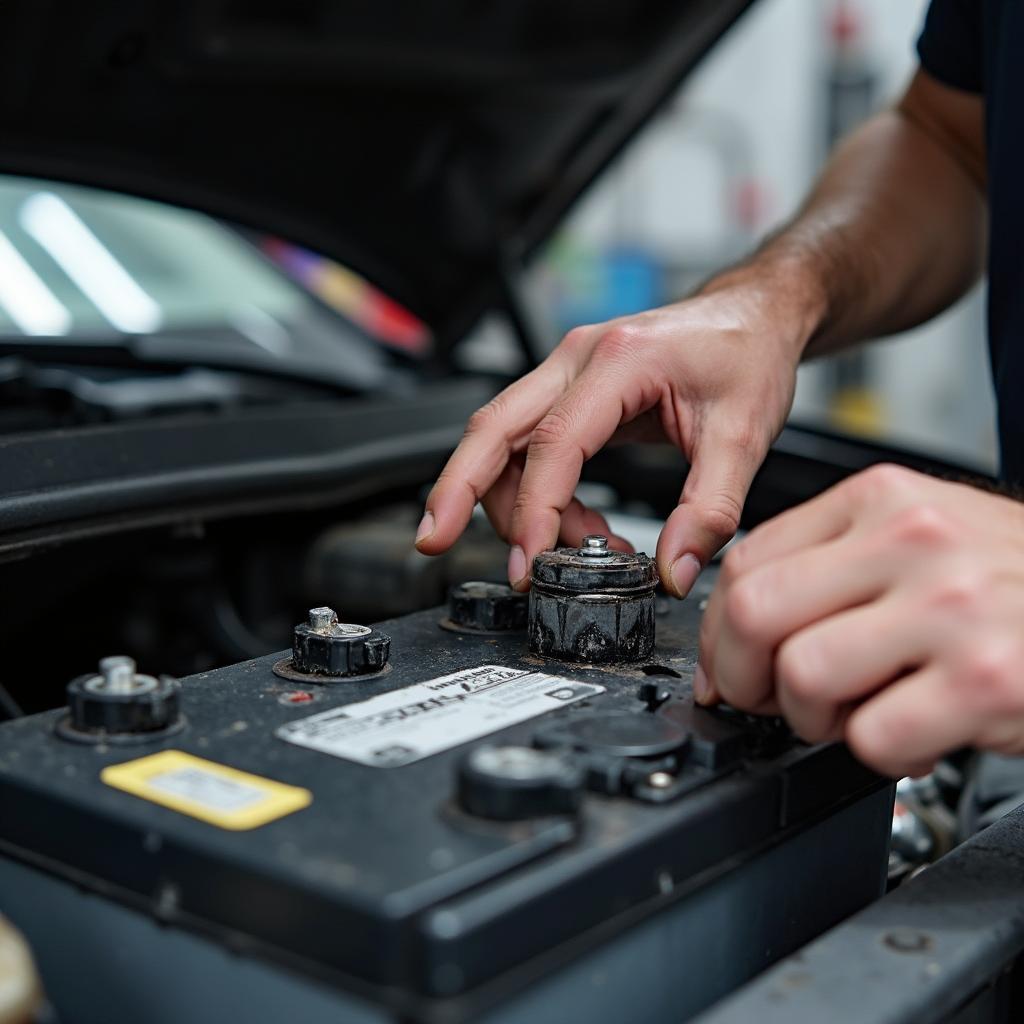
pixel 216 349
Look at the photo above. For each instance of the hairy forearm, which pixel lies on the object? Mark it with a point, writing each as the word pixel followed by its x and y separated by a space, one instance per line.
pixel 893 232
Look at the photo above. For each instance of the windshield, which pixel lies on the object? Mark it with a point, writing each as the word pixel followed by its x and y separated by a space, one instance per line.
pixel 80 266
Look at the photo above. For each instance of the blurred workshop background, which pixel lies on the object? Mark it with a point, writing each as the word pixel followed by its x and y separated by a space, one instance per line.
pixel 728 160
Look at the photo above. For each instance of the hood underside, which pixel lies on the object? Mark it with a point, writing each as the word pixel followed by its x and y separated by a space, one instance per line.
pixel 429 146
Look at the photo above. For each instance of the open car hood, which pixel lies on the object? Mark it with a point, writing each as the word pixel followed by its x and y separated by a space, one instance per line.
pixel 429 146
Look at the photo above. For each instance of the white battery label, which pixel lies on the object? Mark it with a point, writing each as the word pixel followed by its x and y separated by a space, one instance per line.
pixel 407 725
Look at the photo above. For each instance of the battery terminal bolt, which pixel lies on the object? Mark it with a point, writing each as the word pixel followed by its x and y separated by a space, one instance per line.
pixel 595 545
pixel 118 674
pixel 322 619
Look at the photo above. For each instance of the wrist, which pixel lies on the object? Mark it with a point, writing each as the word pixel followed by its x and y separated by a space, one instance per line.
pixel 782 292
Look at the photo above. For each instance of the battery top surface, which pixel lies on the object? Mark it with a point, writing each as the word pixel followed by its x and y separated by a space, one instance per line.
pixel 377 872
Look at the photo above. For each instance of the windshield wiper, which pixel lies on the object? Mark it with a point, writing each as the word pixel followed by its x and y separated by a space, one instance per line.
pixel 348 368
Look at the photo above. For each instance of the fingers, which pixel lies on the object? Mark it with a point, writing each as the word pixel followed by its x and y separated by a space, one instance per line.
pixel 910 724
pixel 721 470
pixel 821 670
pixel 861 498
pixel 749 618
pixel 494 433
pixel 578 521
pixel 827 516
pixel 815 522
pixel 497 502
pixel 576 427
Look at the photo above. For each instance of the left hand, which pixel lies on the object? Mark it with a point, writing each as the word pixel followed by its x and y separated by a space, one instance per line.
pixel 888 612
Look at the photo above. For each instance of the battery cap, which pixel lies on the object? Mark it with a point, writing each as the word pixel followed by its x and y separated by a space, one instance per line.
pixel 511 783
pixel 324 646
pixel 484 607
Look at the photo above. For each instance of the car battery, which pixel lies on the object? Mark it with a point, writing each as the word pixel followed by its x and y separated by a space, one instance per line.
pixel 485 812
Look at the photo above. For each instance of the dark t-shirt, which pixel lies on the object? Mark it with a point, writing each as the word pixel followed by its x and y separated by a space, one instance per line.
pixel 978 45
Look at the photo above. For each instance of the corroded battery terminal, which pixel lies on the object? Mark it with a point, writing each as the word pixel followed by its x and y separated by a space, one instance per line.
pixel 591 604
pixel 120 705
pixel 326 650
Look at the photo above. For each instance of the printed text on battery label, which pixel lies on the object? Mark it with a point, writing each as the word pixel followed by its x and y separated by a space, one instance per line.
pixel 412 723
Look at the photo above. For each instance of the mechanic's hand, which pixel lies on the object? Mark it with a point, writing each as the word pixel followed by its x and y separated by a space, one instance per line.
pixel 714 375
pixel 889 611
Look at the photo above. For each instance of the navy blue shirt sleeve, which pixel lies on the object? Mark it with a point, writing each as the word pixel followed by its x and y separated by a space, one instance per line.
pixel 951 44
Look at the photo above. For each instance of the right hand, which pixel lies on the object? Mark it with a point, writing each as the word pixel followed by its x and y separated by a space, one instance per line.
pixel 714 375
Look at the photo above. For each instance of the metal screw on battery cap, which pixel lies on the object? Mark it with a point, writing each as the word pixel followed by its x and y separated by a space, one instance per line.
pixel 594 546
pixel 660 780
pixel 118 674
pixel 321 619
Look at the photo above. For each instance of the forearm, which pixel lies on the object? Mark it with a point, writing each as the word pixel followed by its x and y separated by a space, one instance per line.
pixel 892 234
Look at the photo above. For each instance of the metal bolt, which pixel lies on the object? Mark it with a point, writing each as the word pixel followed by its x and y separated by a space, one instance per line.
pixel 660 780
pixel 321 619
pixel 594 546
pixel 118 674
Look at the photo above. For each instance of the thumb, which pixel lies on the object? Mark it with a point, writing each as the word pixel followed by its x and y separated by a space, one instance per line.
pixel 721 470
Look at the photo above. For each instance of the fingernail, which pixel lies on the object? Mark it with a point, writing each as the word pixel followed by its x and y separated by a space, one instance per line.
pixel 516 565
pixel 426 527
pixel 701 686
pixel 684 573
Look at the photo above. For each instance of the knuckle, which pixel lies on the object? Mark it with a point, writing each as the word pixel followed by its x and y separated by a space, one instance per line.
pixel 485 416
pixel 960 592
pixel 744 610
pixel 554 429
pixel 742 435
pixel 721 517
pixel 520 512
pixel 534 513
pixel 880 481
pixel 991 676
pixel 445 479
pixel 451 478
pixel 619 342
pixel 576 337
pixel 922 525
pixel 888 476
pixel 797 672
pixel 872 742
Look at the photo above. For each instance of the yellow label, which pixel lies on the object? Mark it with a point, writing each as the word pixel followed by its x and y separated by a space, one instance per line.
pixel 202 789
